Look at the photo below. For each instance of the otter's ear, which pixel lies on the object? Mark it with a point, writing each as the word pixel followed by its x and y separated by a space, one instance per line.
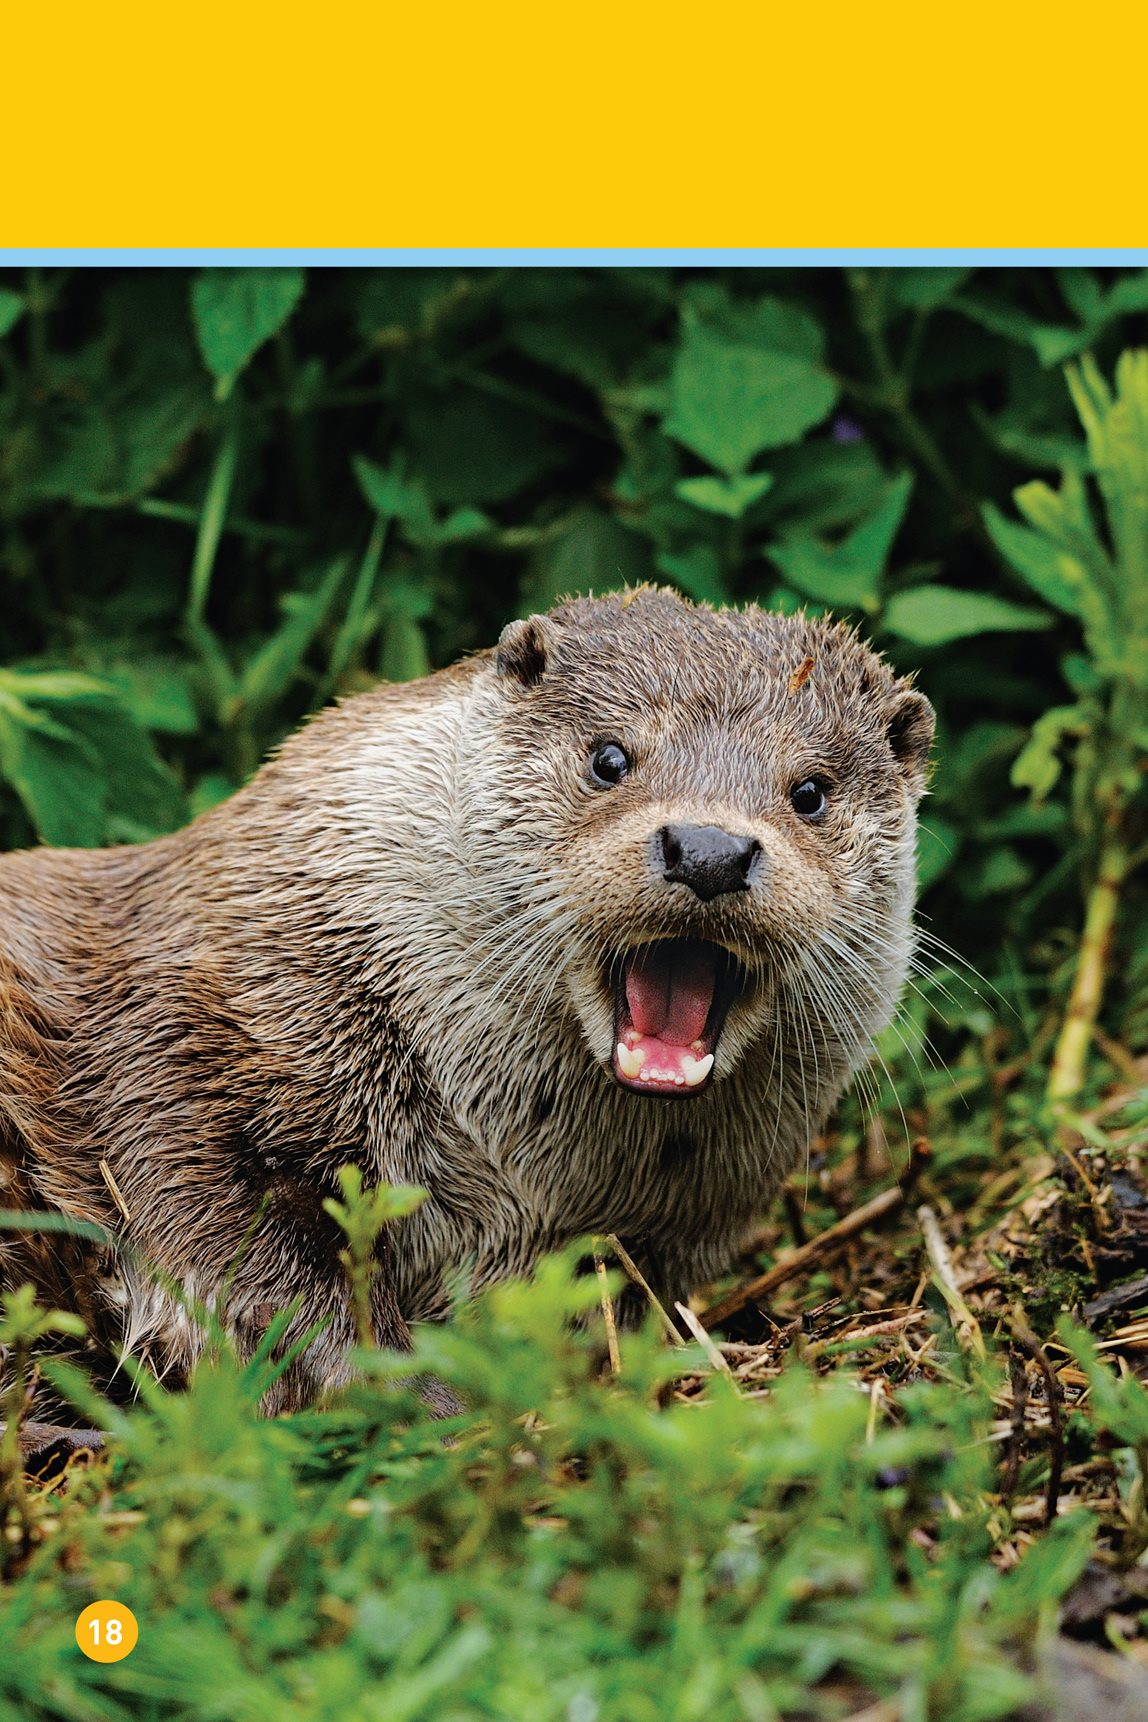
pixel 523 648
pixel 909 724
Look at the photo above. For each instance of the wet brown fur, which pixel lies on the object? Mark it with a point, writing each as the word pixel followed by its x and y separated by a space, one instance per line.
pixel 390 948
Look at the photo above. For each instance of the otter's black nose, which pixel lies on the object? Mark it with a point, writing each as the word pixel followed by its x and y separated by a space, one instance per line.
pixel 706 858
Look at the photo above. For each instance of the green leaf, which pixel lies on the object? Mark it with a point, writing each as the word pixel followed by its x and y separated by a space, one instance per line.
pixel 925 289
pixel 847 573
pixel 460 526
pixel 1052 342
pixel 157 691
pixel 404 655
pixel 596 553
pixel 11 309
pixel 275 666
pixel 80 762
pixel 934 615
pixel 727 496
pixel 698 573
pixel 235 310
pixel 471 445
pixel 57 780
pixel 937 844
pixel 392 495
pixel 1038 765
pixel 115 423
pixel 1054 576
pixel 746 378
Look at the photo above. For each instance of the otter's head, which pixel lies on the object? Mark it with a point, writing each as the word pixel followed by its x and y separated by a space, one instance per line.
pixel 702 824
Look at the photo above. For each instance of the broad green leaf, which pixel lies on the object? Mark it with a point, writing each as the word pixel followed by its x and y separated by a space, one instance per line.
pixel 58 781
pixel 596 553
pixel 1129 293
pixel 235 310
pixel 1064 518
pixel 585 322
pixel 11 309
pixel 1052 342
pixel 404 656
pixel 1117 432
pixel 1050 571
pixel 698 573
pixel 408 599
pixel 823 488
pixel 847 573
pixel 938 841
pixel 925 289
pixel 934 615
pixel 472 446
pixel 117 418
pixel 392 495
pixel 460 526
pixel 158 693
pixel 746 378
pixel 394 306
pixel 276 664
pixel 727 496
pixel 1038 765
pixel 79 761
pixel 995 872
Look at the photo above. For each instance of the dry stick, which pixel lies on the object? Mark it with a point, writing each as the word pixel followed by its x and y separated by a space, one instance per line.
pixel 1018 1376
pixel 702 1337
pixel 634 1271
pixel 886 1203
pixel 854 1336
pixel 1031 1345
pixel 608 1312
pixel 965 1324
pixel 114 1191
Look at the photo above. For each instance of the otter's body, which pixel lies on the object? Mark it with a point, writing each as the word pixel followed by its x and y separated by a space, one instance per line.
pixel 446 935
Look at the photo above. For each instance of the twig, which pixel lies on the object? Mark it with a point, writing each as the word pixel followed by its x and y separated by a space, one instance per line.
pixel 817 1248
pixel 114 1191
pixel 608 1312
pixel 631 1267
pixel 965 1324
pixel 1018 1376
pixel 1119 1056
pixel 861 1335
pixel 702 1337
pixel 794 1216
pixel 1032 1347
pixel 1095 1199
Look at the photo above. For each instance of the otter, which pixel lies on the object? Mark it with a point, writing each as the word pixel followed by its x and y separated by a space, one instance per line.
pixel 586 933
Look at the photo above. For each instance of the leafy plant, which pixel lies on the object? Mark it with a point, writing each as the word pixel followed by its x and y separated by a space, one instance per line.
pixel 1099 574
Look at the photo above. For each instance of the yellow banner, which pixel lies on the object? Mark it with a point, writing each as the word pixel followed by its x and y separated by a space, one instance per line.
pixel 603 125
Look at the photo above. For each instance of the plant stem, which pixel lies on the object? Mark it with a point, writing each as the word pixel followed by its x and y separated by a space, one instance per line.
pixel 212 516
pixel 1066 1077
pixel 15 1513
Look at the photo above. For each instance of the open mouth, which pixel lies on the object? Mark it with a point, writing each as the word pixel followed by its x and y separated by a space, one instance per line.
pixel 670 1002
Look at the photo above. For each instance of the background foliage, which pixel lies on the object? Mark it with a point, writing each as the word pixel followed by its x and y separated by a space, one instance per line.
pixel 227 496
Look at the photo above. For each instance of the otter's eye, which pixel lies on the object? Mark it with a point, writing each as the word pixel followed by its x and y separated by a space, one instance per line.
pixel 808 798
pixel 609 764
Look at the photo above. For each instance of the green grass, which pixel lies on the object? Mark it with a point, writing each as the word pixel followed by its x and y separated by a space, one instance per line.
pixel 577 1546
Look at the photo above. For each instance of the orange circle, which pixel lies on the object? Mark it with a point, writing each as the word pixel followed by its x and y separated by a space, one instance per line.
pixel 107 1631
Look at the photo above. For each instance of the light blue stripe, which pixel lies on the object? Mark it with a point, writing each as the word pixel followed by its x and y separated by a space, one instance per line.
pixel 475 257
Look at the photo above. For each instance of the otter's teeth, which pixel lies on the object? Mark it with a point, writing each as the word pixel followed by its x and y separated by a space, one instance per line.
pixel 629 1062
pixel 695 1070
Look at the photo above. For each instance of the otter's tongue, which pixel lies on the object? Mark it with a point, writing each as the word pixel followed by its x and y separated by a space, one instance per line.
pixel 670 991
